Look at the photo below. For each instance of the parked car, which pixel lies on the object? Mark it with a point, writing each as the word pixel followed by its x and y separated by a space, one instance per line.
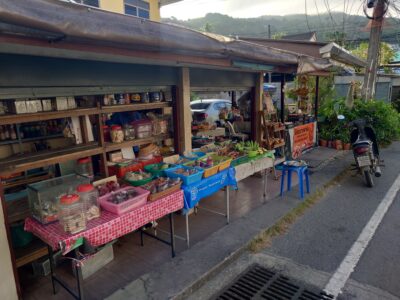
pixel 208 109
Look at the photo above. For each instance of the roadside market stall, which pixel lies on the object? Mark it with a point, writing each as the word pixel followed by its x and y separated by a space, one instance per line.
pixel 106 102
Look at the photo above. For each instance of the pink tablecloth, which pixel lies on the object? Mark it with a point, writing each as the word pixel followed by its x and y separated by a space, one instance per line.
pixel 109 226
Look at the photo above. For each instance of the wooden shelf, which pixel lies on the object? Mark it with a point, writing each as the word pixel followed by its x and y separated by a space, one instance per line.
pixel 25 181
pixel 35 250
pixel 134 107
pixel 112 146
pixel 45 158
pixel 28 140
pixel 50 115
pixel 279 145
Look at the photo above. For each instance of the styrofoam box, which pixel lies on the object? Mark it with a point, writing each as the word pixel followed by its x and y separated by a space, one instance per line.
pixel 95 262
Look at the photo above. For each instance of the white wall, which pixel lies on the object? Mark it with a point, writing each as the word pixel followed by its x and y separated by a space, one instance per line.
pixel 8 289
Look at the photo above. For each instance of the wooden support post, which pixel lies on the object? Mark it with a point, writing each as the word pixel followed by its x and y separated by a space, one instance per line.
pixel 316 104
pixel 102 143
pixel 7 260
pixel 84 129
pixel 283 98
pixel 184 112
pixel 258 107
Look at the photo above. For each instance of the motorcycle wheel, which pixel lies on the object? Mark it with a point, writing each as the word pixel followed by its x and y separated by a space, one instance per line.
pixel 368 178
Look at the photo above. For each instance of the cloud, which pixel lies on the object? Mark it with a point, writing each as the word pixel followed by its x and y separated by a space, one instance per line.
pixel 189 9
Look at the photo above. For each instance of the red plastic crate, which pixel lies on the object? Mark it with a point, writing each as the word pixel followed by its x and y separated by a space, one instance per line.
pixel 121 171
pixel 155 160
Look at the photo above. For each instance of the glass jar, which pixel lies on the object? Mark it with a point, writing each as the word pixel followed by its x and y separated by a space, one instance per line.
pixel 129 132
pixel 71 214
pixel 88 195
pixel 145 97
pixel 155 97
pixel 106 133
pixel 117 135
pixel 84 167
pixel 135 97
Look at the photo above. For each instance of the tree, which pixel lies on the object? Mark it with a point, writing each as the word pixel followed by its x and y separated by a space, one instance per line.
pixel 387 54
pixel 208 27
pixel 278 35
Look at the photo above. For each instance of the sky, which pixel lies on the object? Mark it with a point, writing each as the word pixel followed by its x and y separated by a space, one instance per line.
pixel 189 9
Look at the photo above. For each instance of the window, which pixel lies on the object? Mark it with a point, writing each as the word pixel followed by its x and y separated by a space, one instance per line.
pixel 94 3
pixel 137 8
pixel 200 105
pixel 219 105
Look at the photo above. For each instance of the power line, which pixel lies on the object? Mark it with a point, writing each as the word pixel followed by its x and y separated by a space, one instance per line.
pixel 305 7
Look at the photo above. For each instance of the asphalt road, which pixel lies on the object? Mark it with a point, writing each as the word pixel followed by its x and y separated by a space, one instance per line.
pixel 321 239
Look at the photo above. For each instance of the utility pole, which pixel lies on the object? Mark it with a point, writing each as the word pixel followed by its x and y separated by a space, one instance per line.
pixel 373 49
pixel 269 31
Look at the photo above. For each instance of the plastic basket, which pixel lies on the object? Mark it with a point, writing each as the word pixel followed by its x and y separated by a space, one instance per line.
pixel 195 155
pixel 240 160
pixel 208 172
pixel 139 182
pixel 225 164
pixel 155 169
pixel 120 171
pixel 126 206
pixel 155 160
pixel 187 180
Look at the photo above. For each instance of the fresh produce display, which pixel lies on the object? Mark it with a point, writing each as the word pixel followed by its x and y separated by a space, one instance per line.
pixel 161 184
pixel 122 196
pixel 137 176
pixel 185 172
pixel 109 187
pixel 183 160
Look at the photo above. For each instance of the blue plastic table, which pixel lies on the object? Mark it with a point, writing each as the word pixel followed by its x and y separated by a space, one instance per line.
pixel 206 187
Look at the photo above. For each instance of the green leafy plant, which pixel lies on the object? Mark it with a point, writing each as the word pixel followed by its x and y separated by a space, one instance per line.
pixel 252 146
pixel 383 117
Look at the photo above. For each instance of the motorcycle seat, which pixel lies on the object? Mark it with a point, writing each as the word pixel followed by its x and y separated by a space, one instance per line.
pixel 362 143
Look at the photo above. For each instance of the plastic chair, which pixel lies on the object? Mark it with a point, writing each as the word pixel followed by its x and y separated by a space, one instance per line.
pixel 302 174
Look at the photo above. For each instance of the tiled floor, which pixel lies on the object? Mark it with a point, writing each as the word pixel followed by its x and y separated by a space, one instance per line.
pixel 131 260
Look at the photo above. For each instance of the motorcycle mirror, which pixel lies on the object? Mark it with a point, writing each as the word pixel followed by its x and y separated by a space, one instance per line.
pixel 341 117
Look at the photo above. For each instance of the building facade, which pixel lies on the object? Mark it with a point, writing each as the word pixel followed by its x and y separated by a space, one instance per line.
pixel 147 9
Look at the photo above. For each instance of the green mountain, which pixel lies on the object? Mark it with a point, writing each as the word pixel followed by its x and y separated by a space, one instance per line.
pixel 329 27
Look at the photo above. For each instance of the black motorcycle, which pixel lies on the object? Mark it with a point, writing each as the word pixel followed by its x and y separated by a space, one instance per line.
pixel 365 149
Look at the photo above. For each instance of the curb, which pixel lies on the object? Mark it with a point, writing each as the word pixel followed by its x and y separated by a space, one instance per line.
pixel 185 293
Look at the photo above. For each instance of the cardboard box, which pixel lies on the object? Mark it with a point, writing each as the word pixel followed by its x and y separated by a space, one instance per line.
pixel 31 106
pixel 115 156
pixel 61 103
pixel 71 102
pixel 19 106
pixel 47 105
pixel 39 106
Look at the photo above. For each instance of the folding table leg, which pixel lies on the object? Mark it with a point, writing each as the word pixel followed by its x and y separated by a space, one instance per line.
pixel 52 268
pixel 265 178
pixel 141 237
pixel 79 279
pixel 227 204
pixel 172 233
pixel 187 230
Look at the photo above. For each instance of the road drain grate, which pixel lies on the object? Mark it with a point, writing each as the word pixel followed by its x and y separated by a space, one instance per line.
pixel 261 283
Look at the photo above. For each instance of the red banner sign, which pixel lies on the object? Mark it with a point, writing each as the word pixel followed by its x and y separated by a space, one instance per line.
pixel 303 138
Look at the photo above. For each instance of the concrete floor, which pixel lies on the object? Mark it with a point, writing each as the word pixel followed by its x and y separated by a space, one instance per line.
pixel 131 260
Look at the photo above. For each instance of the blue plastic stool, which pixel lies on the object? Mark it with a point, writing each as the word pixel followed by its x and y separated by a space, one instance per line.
pixel 302 173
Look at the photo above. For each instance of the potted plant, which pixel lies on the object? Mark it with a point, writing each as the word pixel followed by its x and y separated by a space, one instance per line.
pixel 338 144
pixel 346 140
pixel 323 137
